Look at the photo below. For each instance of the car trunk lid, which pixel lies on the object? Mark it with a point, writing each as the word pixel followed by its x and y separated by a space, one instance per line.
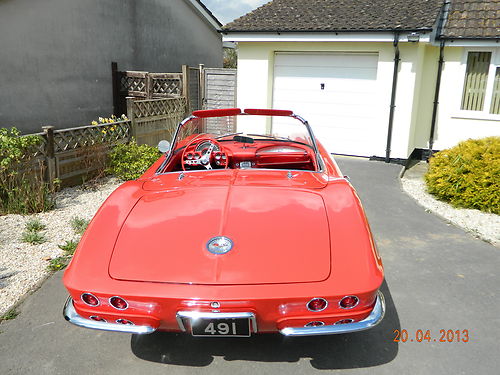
pixel 280 235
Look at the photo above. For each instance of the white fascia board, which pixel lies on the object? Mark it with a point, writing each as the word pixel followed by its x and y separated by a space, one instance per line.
pixel 320 37
pixel 209 17
pixel 471 43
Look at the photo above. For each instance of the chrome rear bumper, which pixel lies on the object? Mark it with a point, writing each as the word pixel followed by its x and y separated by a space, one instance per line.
pixel 72 316
pixel 370 321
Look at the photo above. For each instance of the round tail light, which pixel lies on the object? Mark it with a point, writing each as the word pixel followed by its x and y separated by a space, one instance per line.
pixel 90 299
pixel 348 302
pixel 314 324
pixel 124 322
pixel 97 318
pixel 317 304
pixel 344 321
pixel 118 303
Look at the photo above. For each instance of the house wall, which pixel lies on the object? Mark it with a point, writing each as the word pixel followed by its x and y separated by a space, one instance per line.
pixel 55 55
pixel 454 125
pixel 424 97
pixel 255 83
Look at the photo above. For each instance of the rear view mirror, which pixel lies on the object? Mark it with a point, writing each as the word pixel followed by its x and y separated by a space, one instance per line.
pixel 164 146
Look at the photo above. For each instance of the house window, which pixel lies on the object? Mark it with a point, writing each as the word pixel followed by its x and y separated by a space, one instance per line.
pixel 495 100
pixel 482 84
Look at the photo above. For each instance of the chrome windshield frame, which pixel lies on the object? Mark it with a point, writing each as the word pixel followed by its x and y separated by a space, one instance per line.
pixel 168 156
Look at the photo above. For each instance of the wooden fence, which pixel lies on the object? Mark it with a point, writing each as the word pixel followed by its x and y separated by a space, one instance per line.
pixel 154 103
pixel 204 88
pixel 155 119
pixel 75 153
pixel 147 85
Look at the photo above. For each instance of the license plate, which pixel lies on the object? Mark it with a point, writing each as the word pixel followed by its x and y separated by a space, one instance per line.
pixel 236 327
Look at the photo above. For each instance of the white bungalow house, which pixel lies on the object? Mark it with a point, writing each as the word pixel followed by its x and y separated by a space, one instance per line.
pixel 365 73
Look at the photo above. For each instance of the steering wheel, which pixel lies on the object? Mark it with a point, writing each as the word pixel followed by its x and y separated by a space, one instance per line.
pixel 205 157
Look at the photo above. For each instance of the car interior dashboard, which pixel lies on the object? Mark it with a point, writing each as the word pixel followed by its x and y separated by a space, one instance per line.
pixel 241 152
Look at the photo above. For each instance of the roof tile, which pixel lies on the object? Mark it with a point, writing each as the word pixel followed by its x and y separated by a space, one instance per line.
pixel 339 15
pixel 482 19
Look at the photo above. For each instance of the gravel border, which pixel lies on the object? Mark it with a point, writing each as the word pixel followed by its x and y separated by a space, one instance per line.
pixel 23 266
pixel 480 224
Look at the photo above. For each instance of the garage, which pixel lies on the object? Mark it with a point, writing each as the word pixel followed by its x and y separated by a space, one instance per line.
pixel 339 94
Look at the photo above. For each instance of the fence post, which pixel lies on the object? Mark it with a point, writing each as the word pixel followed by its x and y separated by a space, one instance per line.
pixel 131 117
pixel 185 86
pixel 116 89
pixel 149 86
pixel 201 99
pixel 50 152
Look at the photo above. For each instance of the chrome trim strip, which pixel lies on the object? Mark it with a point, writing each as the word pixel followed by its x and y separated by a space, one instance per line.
pixel 372 320
pixel 307 304
pixel 88 304
pixel 348 308
pixel 73 317
pixel 113 306
pixel 211 315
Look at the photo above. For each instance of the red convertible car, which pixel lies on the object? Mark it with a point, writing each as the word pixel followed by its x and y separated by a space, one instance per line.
pixel 244 225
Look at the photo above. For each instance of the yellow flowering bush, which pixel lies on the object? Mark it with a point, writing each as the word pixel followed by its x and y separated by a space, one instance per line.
pixel 467 175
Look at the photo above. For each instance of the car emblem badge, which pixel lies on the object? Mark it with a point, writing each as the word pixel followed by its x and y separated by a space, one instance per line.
pixel 219 245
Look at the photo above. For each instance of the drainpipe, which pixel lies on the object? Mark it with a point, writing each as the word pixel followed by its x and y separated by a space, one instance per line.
pixel 436 96
pixel 393 97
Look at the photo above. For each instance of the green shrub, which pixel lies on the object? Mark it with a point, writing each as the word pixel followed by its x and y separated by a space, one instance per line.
pixel 130 161
pixel 35 225
pixel 9 315
pixel 34 238
pixel 22 189
pixel 58 263
pixel 69 247
pixel 468 175
pixel 79 224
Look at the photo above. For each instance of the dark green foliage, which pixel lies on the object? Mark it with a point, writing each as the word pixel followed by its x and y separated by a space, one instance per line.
pixel 130 161
pixel 58 263
pixel 22 189
pixel 468 175
pixel 69 247
pixel 9 315
pixel 79 225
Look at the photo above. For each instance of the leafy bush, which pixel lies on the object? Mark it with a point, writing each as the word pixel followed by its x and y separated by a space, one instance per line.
pixel 69 247
pixel 58 263
pixel 9 315
pixel 22 189
pixel 130 161
pixel 34 238
pixel 79 224
pixel 35 225
pixel 468 175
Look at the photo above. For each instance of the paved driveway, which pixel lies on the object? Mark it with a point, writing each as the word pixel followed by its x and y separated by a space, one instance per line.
pixel 437 277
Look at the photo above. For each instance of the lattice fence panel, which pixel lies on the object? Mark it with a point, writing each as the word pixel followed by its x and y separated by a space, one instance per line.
pixel 85 136
pixel 134 84
pixel 157 119
pixel 159 107
pixel 165 85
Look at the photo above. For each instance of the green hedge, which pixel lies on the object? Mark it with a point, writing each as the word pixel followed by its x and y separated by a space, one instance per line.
pixel 130 161
pixel 467 175
pixel 22 189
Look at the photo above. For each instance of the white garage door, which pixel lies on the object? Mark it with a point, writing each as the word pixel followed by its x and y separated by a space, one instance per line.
pixel 338 94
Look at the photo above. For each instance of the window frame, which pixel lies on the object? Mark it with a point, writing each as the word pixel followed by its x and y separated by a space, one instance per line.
pixel 488 96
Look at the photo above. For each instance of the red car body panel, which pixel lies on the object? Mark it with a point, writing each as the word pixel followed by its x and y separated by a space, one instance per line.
pixel 295 239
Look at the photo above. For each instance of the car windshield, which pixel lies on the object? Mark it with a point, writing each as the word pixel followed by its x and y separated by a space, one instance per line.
pixel 245 127
pixel 230 139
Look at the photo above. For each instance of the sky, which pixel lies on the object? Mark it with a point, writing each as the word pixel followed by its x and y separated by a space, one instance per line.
pixel 228 10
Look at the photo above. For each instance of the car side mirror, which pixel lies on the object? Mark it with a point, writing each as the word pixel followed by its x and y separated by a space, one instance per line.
pixel 164 146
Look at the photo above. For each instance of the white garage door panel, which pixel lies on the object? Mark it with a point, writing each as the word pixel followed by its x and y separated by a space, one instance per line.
pixel 345 113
